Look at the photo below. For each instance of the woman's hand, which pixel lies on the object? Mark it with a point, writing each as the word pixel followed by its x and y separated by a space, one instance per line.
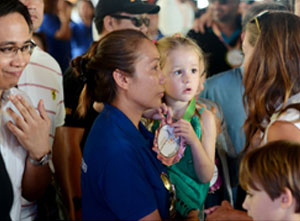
pixel 32 131
pixel 160 113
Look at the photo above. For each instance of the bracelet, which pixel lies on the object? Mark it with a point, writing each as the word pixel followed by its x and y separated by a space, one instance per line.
pixel 45 159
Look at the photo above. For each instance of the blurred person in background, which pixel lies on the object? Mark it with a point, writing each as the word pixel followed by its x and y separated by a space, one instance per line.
pixel 56 26
pixel 82 31
pixel 222 40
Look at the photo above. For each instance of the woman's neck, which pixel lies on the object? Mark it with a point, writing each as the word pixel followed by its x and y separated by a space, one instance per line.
pixel 178 107
pixel 131 110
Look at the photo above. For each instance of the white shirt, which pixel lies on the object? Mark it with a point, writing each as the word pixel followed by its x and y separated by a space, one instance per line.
pixel 14 155
pixel 290 115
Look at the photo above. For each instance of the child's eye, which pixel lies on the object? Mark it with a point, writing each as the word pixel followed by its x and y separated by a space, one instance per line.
pixel 194 71
pixel 178 72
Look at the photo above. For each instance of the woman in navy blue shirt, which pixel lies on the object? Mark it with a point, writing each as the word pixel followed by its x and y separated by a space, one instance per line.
pixel 120 173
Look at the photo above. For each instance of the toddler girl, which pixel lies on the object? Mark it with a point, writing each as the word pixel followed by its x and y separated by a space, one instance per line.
pixel 183 65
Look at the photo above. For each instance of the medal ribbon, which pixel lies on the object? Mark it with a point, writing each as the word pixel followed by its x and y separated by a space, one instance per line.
pixel 190 110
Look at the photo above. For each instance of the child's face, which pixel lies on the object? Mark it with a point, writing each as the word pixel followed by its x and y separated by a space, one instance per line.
pixel 261 207
pixel 183 74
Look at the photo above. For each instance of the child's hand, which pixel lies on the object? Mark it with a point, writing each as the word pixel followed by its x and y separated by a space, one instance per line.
pixel 184 129
pixel 159 113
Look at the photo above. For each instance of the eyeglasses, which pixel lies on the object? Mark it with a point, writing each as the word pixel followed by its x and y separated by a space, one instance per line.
pixel 171 189
pixel 257 19
pixel 10 51
pixel 136 21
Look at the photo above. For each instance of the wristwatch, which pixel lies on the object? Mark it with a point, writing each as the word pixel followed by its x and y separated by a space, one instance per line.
pixel 45 159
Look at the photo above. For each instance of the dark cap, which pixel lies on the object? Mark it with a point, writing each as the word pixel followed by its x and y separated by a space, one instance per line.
pixel 109 7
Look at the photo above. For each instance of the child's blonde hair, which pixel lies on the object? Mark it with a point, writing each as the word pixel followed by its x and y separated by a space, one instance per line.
pixel 168 44
pixel 272 168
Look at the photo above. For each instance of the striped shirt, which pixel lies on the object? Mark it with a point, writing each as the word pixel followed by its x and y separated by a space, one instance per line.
pixel 42 79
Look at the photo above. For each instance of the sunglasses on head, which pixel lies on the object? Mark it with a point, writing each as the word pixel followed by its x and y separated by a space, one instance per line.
pixel 258 18
pixel 136 21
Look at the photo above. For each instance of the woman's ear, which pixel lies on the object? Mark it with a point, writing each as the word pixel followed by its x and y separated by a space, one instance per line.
pixel 108 23
pixel 121 78
pixel 286 199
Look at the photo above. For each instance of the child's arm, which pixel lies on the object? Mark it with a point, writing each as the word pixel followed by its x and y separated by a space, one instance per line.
pixel 203 153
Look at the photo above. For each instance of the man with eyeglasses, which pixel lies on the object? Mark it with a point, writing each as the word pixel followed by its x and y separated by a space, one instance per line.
pixel 110 15
pixel 42 79
pixel 24 143
pixel 222 40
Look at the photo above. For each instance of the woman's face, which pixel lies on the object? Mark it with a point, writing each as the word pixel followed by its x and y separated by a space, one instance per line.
pixel 14 34
pixel 146 86
pixel 247 49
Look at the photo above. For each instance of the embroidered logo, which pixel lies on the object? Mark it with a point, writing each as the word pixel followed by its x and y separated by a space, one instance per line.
pixel 84 167
pixel 53 93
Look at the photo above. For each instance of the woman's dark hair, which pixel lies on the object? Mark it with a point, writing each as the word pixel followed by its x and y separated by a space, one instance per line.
pixel 257 8
pixel 15 6
pixel 273 73
pixel 116 50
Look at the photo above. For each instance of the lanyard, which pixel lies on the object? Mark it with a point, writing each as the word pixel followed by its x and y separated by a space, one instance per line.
pixel 190 110
pixel 218 33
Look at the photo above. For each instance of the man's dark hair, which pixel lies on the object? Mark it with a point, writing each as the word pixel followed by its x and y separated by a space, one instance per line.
pixel 11 6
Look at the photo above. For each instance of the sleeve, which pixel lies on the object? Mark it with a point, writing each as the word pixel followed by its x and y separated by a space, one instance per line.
pixel 48 26
pixel 126 188
pixel 61 113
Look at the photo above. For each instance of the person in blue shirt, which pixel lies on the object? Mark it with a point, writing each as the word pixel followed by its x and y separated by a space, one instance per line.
pixel 227 90
pixel 56 27
pixel 82 37
pixel 121 176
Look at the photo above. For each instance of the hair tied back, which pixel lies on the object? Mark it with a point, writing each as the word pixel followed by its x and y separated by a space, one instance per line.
pixel 83 74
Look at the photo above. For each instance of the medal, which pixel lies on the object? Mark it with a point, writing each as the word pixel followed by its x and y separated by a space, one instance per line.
pixel 167 142
pixel 234 57
pixel 168 146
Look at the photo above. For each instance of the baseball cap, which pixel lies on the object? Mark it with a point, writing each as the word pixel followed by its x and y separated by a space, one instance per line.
pixel 108 7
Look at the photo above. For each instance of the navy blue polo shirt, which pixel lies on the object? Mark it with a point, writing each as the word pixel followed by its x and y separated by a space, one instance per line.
pixel 120 173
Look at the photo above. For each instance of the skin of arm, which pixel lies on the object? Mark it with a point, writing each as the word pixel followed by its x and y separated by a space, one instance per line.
pixel 205 20
pixel 283 130
pixel 297 7
pixel 61 161
pixel 72 138
pixel 203 152
pixel 152 216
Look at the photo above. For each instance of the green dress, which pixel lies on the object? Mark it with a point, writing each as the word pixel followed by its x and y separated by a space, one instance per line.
pixel 190 192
